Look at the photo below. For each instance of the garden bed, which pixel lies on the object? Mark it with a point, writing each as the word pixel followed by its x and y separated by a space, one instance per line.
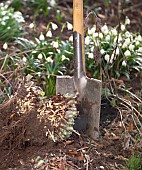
pixel 24 143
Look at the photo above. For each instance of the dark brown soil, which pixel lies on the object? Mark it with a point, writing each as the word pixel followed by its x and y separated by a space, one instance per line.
pixel 23 142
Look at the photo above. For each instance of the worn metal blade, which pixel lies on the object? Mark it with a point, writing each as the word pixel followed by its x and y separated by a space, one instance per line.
pixel 80 79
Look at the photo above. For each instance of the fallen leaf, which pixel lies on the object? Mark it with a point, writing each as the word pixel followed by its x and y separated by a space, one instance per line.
pixel 68 142
pixel 130 127
pixel 80 157
pixel 101 16
pixel 72 152
pixel 89 74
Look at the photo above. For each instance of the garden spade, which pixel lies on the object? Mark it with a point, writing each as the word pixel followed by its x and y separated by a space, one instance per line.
pixel 88 89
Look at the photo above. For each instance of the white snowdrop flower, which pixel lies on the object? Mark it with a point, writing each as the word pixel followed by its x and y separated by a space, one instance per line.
pixel 127 21
pixel 127 53
pixel 18 13
pixel 128 34
pixel 92 49
pixel 140 50
pixel 87 40
pixel 105 30
pixel 49 60
pixel 131 47
pixel 24 59
pixel 55 44
pixel 126 43
pixel 3 23
pixel 34 52
pixel 59 51
pixel 127 40
pixel 52 2
pixel 1 4
pixel 96 43
pixel 5 18
pixel 63 57
pixel 3 12
pixel 5 46
pixel 54 26
pixel 117 51
pixel 122 27
pixel 100 35
pixel 112 58
pixel 95 35
pixel 90 55
pixel 49 34
pixel 119 38
pixel 18 16
pixel 102 167
pixel 8 28
pixel 31 25
pixel 89 32
pixel 137 43
pixel 107 58
pixel 124 63
pixel 50 52
pixel 138 38
pixel 92 30
pixel 9 14
pixel 41 37
pixel 139 54
pixel 107 38
pixel 114 31
pixel 71 38
pixel 120 44
pixel 40 56
pixel 69 26
pixel 48 7
pixel 115 40
pixel 102 51
pixel 3 7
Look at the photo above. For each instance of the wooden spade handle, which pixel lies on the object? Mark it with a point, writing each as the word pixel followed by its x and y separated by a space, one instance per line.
pixel 78 23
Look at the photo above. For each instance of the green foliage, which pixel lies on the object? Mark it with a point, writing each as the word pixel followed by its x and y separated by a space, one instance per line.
pixel 40 6
pixel 17 4
pixel 115 52
pixel 107 3
pixel 134 163
pixel 11 24
pixel 59 16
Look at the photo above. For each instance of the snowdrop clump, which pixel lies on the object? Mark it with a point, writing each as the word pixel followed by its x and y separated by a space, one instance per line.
pixel 49 57
pixel 11 23
pixel 120 51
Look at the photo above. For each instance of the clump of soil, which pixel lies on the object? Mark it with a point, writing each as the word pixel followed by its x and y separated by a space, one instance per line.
pixel 19 123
